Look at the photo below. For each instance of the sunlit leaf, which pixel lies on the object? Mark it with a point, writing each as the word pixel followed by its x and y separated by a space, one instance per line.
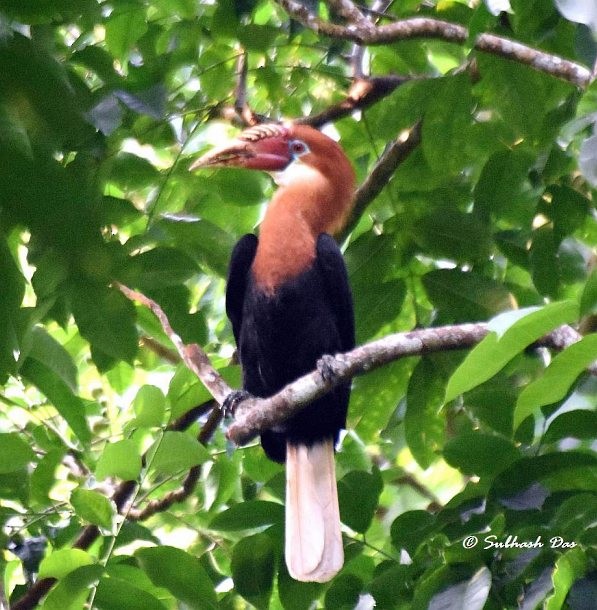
pixel 180 573
pixel 61 562
pixel 176 451
pixel 93 507
pixel 248 515
pixel 557 379
pixel 496 350
pixel 120 459
pixel 14 452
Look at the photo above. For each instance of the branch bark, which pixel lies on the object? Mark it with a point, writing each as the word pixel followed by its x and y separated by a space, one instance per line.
pixel 364 92
pixel 395 153
pixel 196 359
pixel 193 356
pixel 257 414
pixel 364 32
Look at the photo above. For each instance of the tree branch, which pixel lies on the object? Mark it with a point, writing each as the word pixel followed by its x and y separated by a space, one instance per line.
pixel 365 33
pixel 363 93
pixel 395 153
pixel 188 485
pixel 197 361
pixel 256 414
pixel 193 356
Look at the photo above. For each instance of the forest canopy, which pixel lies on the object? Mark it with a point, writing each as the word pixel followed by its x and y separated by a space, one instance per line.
pixel 467 474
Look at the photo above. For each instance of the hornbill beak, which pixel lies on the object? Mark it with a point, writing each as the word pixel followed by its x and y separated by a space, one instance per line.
pixel 264 147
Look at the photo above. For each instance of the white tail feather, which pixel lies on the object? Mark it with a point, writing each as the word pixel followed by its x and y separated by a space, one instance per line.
pixel 314 551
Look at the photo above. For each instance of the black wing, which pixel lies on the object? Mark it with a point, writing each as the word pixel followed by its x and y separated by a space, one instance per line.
pixel 240 263
pixel 333 269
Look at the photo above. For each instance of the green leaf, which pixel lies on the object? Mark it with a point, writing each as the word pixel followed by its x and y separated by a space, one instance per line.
pixel 257 37
pixel 480 454
pixel 161 267
pixel 70 406
pixel 576 516
pixel 180 573
pixel 452 234
pixel 513 332
pixel 559 376
pixel 253 567
pixel 358 496
pixel 177 451
pixel 45 349
pixel 15 453
pixel 569 567
pixel 465 296
pixel 11 295
pixel 344 592
pixel 296 595
pixel 471 594
pixel 411 528
pixel 544 468
pixel 93 507
pixel 63 561
pixel 544 265
pixel 72 590
pixel 579 423
pixel 149 406
pixel 106 318
pixel 43 477
pixel 503 189
pixel 377 305
pixel 14 134
pixel 248 515
pixel 588 299
pixel 131 172
pixel 206 242
pixel 185 392
pixel 116 594
pixel 120 459
pixel 423 425
pixel 447 125
pixel 390 586
pixel 124 27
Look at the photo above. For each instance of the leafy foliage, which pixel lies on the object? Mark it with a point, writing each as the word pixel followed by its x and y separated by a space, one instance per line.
pixel 103 106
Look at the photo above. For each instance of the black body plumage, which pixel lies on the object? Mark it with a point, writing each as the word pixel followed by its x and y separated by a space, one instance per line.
pixel 281 335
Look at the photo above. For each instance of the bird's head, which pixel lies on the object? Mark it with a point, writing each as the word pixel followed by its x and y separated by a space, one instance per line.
pixel 270 147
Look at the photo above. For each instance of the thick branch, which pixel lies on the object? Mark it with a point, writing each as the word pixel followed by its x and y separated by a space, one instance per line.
pixel 255 415
pixel 365 33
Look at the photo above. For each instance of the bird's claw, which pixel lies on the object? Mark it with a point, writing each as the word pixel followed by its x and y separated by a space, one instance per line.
pixel 329 367
pixel 232 401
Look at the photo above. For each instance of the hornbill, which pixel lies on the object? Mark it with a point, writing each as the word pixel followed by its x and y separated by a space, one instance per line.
pixel 289 302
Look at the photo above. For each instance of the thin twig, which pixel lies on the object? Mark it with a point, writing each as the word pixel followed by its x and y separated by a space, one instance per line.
pixel 193 355
pixel 241 103
pixel 190 482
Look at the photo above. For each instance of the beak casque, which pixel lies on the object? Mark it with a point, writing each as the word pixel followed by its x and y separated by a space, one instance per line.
pixel 264 147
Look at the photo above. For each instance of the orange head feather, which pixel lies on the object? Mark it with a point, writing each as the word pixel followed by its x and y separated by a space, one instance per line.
pixel 315 195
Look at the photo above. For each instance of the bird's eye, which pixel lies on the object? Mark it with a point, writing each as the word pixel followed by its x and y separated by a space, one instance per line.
pixel 298 148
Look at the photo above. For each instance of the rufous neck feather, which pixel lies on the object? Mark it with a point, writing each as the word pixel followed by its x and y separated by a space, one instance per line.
pixel 315 196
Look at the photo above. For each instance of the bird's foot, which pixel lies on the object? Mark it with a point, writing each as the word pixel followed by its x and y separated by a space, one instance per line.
pixel 232 401
pixel 330 367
